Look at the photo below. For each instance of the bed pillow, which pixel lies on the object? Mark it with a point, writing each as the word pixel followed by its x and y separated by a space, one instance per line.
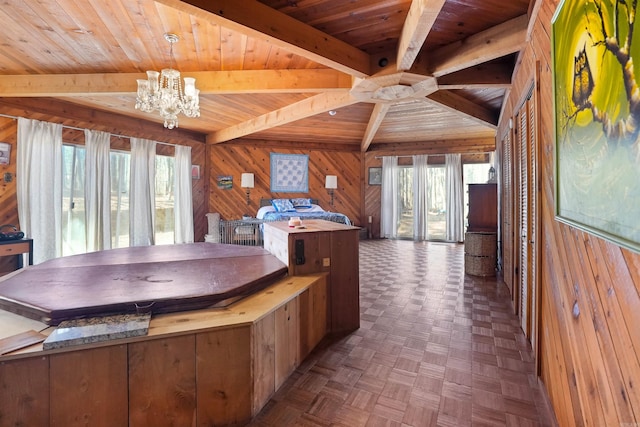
pixel 301 203
pixel 264 210
pixel 283 205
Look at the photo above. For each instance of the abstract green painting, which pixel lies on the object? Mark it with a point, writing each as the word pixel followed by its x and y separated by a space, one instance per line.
pixel 597 111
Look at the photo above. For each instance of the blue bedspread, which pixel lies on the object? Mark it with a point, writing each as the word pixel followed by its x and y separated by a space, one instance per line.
pixel 328 216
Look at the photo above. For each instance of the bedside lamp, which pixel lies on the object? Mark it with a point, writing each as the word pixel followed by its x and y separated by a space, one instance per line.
pixel 331 183
pixel 247 182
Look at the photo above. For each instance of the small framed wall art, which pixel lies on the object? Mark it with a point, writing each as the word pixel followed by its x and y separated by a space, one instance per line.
pixel 375 176
pixel 5 153
pixel 195 171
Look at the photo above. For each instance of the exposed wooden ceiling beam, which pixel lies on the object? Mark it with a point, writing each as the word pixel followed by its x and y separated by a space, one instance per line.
pixel 208 82
pixel 306 108
pixel 255 19
pixel 377 116
pixel 436 146
pixel 491 75
pixel 458 104
pixel 496 42
pixel 420 20
pixel 75 115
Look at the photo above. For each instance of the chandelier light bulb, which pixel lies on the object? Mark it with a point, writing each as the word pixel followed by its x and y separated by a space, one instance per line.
pixel 163 91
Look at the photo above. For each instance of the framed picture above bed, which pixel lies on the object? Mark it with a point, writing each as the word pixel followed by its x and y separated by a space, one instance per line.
pixel 289 173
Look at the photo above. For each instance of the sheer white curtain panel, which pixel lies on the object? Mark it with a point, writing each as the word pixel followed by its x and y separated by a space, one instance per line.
pixel 420 199
pixel 183 208
pixel 389 205
pixel 97 190
pixel 142 192
pixel 455 198
pixel 39 186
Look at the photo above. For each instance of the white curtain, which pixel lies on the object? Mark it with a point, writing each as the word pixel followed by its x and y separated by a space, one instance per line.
pixel 455 198
pixel 39 186
pixel 420 199
pixel 142 193
pixel 389 207
pixel 183 208
pixel 97 190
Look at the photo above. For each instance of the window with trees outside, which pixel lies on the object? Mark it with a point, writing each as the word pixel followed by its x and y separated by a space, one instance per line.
pixel 73 208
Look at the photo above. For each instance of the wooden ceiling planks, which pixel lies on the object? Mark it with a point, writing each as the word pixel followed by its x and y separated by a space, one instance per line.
pixel 345 127
pixel 67 37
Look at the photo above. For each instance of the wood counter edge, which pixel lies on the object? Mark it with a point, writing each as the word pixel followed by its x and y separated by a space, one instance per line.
pixel 246 311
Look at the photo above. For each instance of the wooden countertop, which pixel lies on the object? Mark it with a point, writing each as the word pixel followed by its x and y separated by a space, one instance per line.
pixel 310 226
pixel 245 311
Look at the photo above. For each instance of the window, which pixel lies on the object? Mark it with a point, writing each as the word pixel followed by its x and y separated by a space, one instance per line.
pixel 437 203
pixel 164 223
pixel 405 202
pixel 73 207
pixel 436 199
pixel 119 169
pixel 74 240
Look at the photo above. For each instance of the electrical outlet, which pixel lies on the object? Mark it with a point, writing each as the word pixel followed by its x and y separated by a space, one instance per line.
pixel 326 262
pixel 8 177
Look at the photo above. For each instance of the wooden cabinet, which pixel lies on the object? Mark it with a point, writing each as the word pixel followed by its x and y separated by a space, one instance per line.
pixel 204 367
pixel 483 208
pixel 323 246
pixel 287 341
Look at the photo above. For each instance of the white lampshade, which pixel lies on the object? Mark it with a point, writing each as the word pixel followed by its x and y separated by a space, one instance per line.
pixel 247 180
pixel 331 182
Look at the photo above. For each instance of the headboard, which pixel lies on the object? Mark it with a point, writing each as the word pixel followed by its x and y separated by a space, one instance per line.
pixel 267 202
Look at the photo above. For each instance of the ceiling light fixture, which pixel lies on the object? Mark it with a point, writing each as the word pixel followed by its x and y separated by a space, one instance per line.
pixel 166 95
pixel 332 112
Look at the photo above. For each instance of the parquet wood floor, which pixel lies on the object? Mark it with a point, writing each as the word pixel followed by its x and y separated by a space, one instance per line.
pixel 436 347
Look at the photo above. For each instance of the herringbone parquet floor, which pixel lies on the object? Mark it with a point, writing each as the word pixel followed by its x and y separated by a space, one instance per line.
pixel 435 347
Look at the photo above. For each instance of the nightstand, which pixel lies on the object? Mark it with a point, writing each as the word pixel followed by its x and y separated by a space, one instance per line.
pixel 17 247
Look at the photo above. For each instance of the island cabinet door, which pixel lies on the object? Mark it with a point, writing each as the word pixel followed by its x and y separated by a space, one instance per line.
pixel 162 382
pixel 24 392
pixel 287 341
pixel 223 370
pixel 89 387
pixel 264 362
pixel 313 316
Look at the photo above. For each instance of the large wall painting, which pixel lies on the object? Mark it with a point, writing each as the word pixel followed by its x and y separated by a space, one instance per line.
pixel 597 109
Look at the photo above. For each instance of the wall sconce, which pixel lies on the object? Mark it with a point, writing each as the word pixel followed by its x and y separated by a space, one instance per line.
pixel 247 182
pixel 331 183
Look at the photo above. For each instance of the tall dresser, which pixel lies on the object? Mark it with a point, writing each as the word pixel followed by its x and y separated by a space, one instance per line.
pixel 481 243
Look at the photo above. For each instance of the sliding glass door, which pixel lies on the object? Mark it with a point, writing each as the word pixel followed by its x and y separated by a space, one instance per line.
pixel 405 202
pixel 436 214
pixel 437 203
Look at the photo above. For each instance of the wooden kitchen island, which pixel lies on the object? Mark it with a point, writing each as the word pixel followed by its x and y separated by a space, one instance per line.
pixel 210 366
pixel 320 246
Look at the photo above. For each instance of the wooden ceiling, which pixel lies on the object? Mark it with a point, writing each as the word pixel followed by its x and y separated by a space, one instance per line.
pixel 393 71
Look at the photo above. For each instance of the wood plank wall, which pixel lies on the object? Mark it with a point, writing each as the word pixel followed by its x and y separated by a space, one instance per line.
pixel 8 200
pixel 590 303
pixel 234 158
pixel 73 116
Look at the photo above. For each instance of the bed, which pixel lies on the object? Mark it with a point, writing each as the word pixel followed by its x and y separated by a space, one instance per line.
pixel 303 208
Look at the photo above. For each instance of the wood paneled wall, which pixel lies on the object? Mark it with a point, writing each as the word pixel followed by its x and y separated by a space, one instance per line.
pixel 8 200
pixel 233 159
pixel 73 116
pixel 589 308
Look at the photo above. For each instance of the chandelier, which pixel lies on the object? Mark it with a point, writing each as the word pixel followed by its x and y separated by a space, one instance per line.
pixel 163 91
